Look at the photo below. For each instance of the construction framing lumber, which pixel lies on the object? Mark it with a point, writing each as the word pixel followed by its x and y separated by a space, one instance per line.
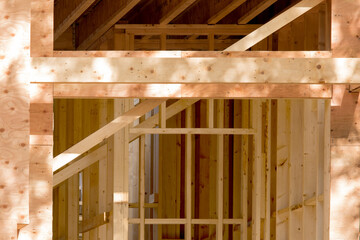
pixel 95 138
pixel 188 29
pixel 105 15
pixel 196 70
pixel 225 11
pixel 273 25
pixel 94 222
pixel 71 18
pixel 197 54
pixel 79 165
pixel 192 131
pixel 256 10
pixel 171 111
pixel 170 15
pixel 231 91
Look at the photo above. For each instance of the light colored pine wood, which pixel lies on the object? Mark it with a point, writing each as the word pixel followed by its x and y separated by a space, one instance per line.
pixel 310 169
pixel 171 111
pixel 256 123
pixel 267 170
pixel 192 131
pixel 142 187
pixel 104 132
pixel 273 25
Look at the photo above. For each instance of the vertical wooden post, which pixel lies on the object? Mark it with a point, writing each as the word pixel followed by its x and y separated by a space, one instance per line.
pixel 142 187
pixel 211 39
pixel 163 41
pixel 327 166
pixel 244 158
pixel 268 182
pixel 220 171
pixel 256 193
pixel 188 158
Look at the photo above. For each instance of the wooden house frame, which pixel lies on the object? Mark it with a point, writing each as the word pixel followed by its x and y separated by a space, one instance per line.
pixel 39 74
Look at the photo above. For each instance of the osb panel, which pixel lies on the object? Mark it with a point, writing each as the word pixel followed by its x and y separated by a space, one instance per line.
pixel 346 28
pixel 14 121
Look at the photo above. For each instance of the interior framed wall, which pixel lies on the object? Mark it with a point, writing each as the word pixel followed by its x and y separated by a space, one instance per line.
pixel 320 91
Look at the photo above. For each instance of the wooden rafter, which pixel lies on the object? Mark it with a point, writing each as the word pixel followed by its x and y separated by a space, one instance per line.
pixel 173 13
pixel 255 11
pixel 95 138
pixel 225 11
pixel 101 19
pixel 274 25
pixel 71 18
pixel 188 29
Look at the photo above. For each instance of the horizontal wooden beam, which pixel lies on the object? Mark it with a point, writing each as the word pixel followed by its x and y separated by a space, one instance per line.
pixel 168 221
pixel 79 165
pixel 95 138
pixel 208 131
pixel 94 222
pixel 196 54
pixel 188 29
pixel 195 70
pixel 171 111
pixel 231 91
pixel 273 25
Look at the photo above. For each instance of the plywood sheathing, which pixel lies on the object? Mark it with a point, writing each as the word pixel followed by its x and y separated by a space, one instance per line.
pixel 14 120
pixel 345 164
pixel 345 24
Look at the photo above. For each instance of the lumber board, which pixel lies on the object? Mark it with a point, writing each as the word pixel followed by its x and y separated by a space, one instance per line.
pixel 94 222
pixel 192 131
pixel 188 29
pixel 231 91
pixel 191 54
pixel 79 165
pixel 196 70
pixel 171 111
pixel 95 138
pixel 273 25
